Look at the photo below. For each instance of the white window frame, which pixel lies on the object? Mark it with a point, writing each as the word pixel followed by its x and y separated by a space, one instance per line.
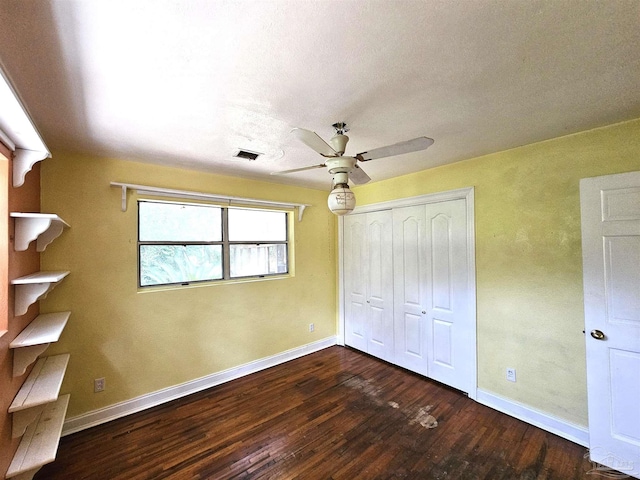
pixel 225 243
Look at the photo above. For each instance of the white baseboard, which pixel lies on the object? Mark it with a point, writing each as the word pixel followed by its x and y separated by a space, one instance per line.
pixel 576 433
pixel 118 410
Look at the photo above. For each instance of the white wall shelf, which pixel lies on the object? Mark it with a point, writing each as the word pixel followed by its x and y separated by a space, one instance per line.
pixel 41 387
pixel 34 287
pixel 39 444
pixel 35 339
pixel 43 227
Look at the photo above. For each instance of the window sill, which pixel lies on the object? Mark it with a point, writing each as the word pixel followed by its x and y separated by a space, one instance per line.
pixel 214 283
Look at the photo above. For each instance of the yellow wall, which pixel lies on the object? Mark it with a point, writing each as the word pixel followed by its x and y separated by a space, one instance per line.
pixel 528 258
pixel 144 342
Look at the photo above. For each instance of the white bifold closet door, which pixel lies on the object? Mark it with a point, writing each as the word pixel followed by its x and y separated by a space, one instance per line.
pixel 406 289
pixel 369 283
pixel 431 318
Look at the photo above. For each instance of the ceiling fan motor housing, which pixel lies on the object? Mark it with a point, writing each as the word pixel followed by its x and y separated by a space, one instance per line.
pixel 339 143
pixel 340 164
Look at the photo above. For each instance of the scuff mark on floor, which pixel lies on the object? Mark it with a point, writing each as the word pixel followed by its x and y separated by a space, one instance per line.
pixel 424 418
pixel 416 415
pixel 365 386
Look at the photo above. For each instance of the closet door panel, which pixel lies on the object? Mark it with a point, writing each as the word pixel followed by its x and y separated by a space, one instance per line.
pixel 354 282
pixel 442 343
pixel 447 291
pixel 379 277
pixel 409 292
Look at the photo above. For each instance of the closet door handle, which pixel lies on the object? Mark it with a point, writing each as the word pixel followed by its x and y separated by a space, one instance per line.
pixel 424 312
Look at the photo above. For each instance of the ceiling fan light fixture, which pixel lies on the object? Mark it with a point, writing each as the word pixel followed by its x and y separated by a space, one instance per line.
pixel 341 200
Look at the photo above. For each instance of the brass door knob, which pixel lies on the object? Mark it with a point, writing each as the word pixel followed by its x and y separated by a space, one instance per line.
pixel 597 334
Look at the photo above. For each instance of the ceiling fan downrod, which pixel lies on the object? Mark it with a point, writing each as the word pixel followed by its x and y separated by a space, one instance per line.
pixel 339 140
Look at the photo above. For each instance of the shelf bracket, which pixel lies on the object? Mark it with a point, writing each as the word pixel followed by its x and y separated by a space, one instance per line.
pixel 24 236
pixel 23 162
pixel 29 293
pixel 31 288
pixel 25 356
pixel 23 418
pixel 53 232
pixel 42 228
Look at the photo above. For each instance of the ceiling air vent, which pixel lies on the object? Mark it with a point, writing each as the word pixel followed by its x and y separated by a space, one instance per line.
pixel 247 155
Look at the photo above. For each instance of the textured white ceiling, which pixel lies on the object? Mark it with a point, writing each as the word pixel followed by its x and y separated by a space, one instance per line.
pixel 187 83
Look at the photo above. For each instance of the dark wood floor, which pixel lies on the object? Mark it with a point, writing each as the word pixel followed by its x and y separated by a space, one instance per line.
pixel 335 414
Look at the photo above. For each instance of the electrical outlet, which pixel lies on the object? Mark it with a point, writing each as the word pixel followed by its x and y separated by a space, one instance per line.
pixel 312 327
pixel 98 385
pixel 511 374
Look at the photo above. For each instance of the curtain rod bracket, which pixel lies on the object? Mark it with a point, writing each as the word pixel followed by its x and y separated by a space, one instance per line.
pixel 124 198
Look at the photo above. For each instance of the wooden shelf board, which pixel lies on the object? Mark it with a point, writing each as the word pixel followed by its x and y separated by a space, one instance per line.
pixel 45 328
pixel 35 339
pixel 40 277
pixel 39 444
pixel 43 384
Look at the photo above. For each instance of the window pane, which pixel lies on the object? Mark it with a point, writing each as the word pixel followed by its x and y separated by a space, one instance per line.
pixel 250 260
pixel 163 264
pixel 253 225
pixel 170 222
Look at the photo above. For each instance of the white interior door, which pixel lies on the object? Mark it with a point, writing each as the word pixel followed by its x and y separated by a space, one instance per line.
pixel 379 278
pixel 410 291
pixel 611 267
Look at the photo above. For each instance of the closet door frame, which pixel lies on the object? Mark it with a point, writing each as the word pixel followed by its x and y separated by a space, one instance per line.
pixel 466 194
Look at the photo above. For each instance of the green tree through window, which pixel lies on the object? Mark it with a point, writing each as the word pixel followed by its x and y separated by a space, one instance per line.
pixel 182 243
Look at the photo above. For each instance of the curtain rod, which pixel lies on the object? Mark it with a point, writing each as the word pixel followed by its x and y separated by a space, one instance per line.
pixel 168 192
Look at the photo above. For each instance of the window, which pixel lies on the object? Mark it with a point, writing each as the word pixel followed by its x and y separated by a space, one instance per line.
pixel 181 243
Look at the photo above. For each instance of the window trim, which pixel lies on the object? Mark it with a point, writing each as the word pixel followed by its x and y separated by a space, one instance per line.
pixel 225 243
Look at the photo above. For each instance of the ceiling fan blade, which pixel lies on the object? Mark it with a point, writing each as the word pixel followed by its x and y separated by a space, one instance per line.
pixel 313 140
pixel 414 145
pixel 358 176
pixel 284 172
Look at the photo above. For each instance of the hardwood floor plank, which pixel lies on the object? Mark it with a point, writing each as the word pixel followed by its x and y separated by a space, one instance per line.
pixel 337 414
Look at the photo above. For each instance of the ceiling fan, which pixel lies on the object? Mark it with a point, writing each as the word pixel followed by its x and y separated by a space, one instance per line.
pixel 344 168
